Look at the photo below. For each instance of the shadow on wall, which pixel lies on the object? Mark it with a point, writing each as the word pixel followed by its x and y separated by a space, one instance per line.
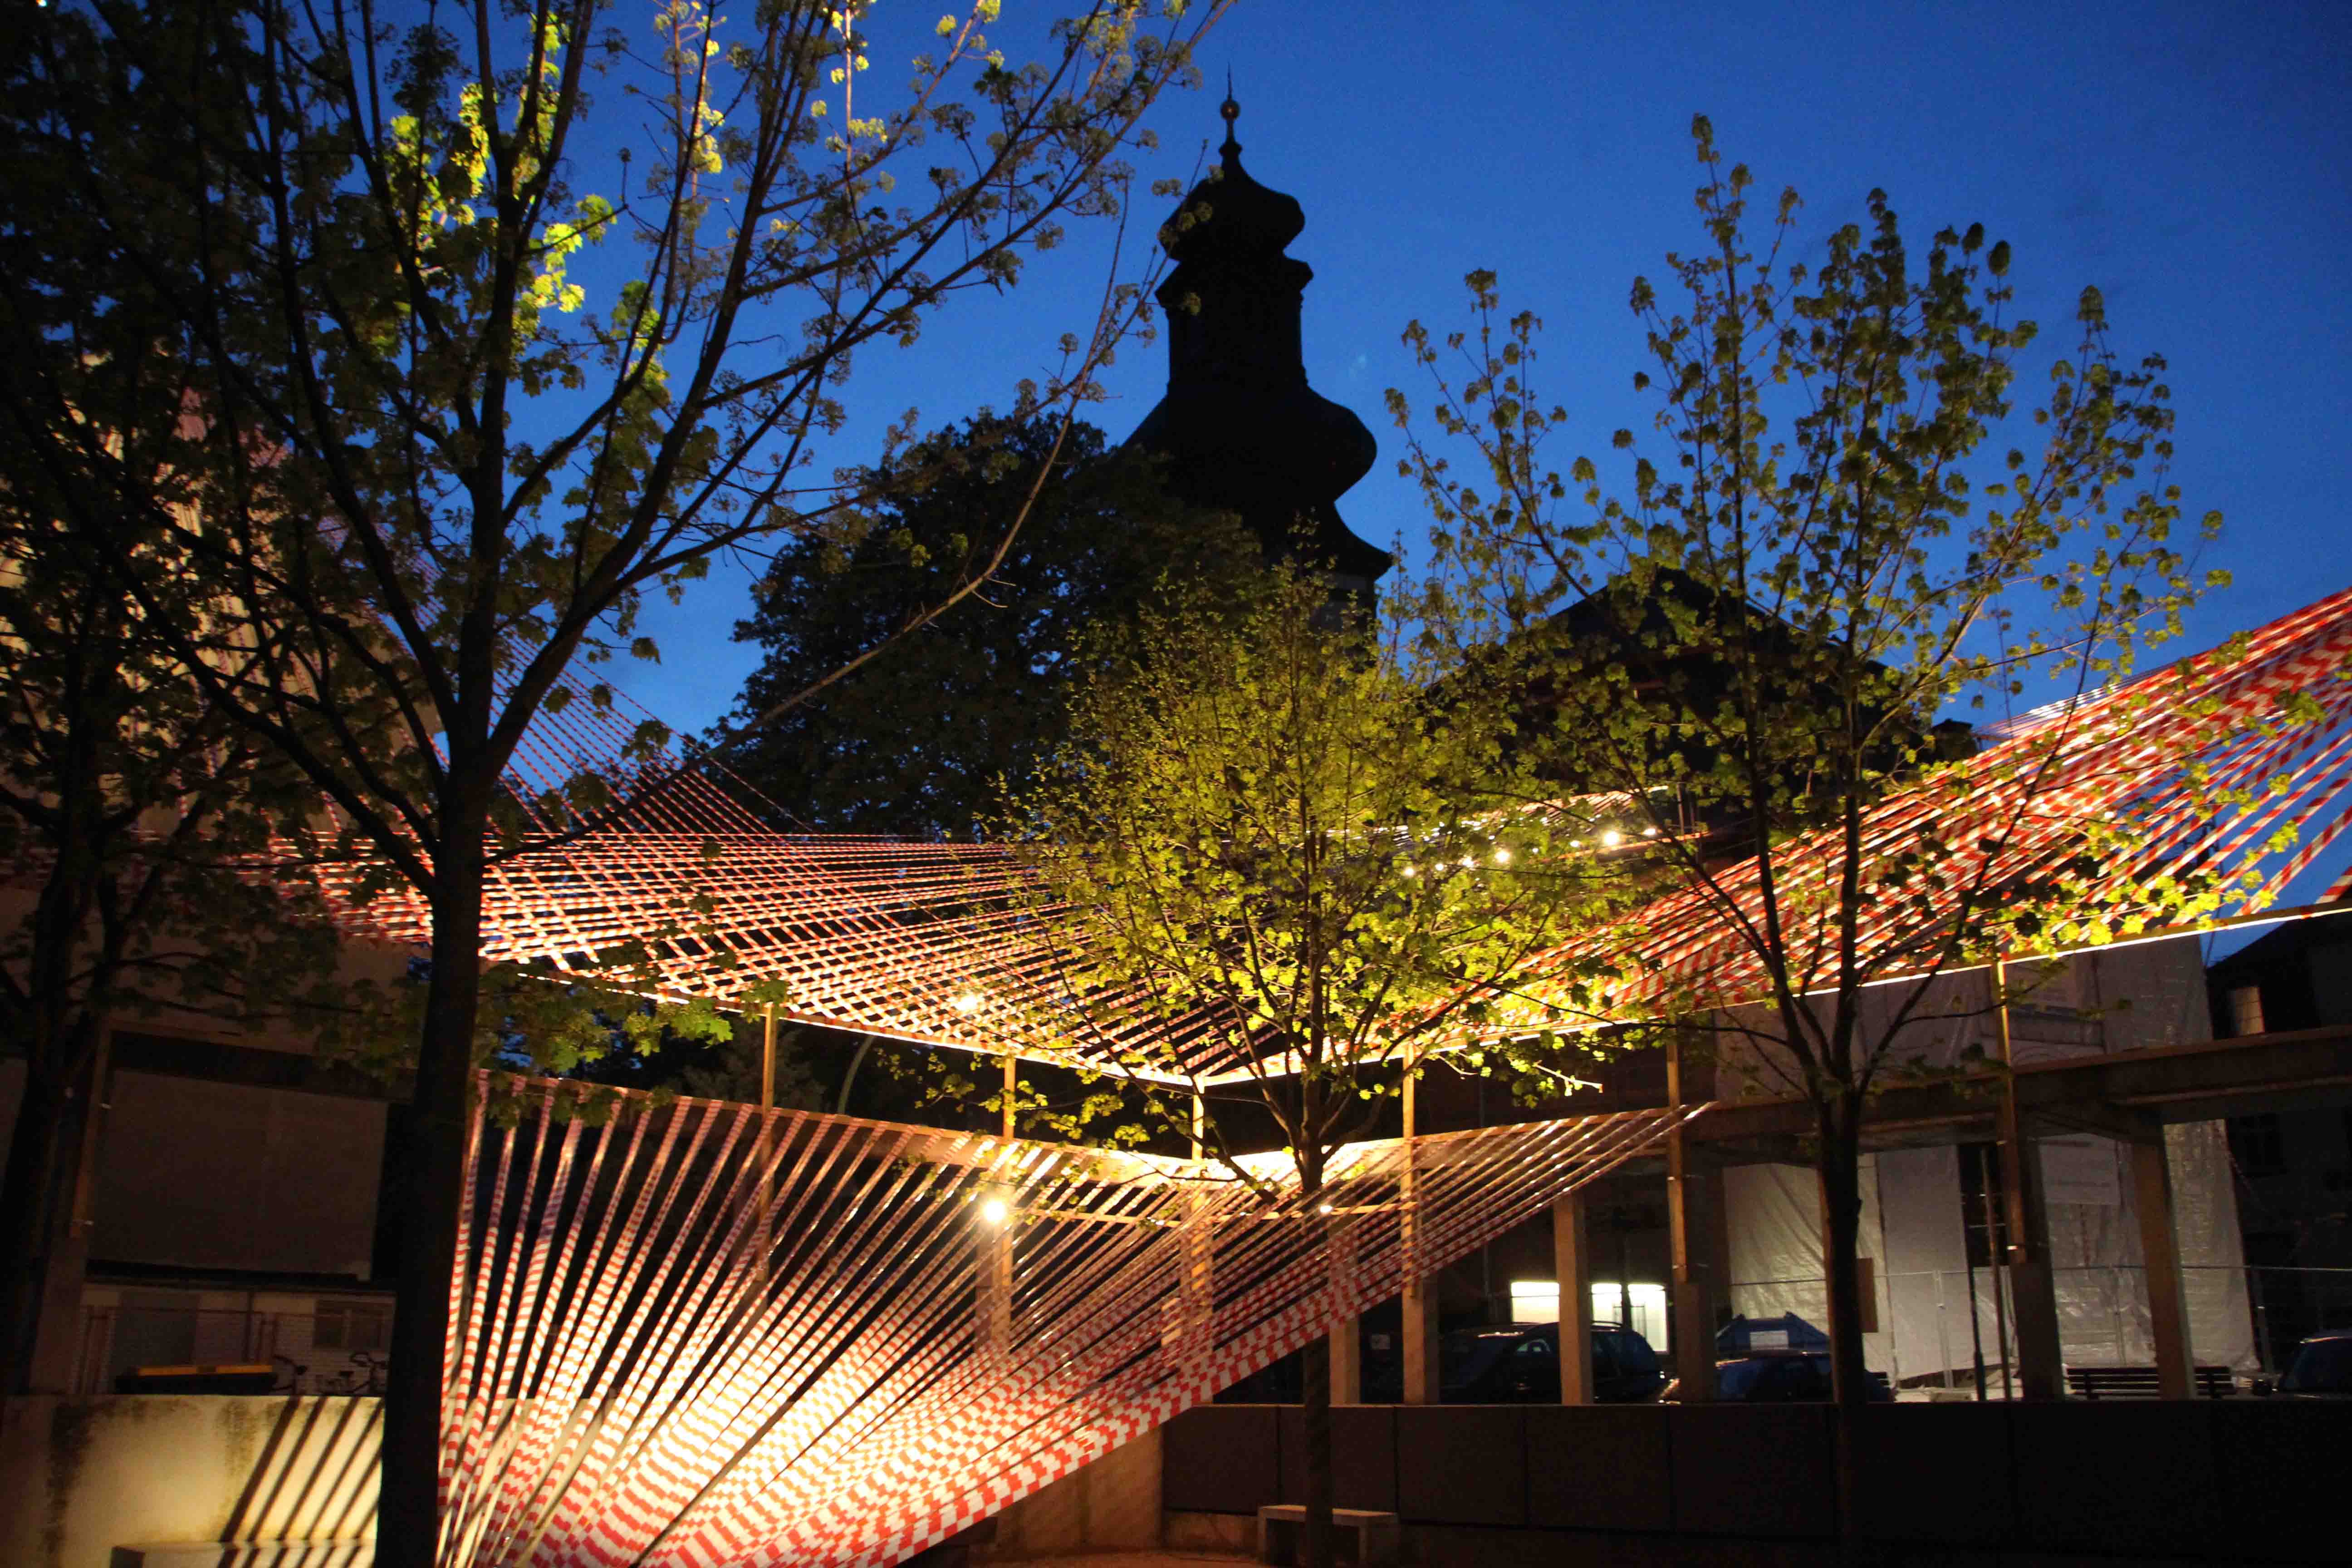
pixel 79 1477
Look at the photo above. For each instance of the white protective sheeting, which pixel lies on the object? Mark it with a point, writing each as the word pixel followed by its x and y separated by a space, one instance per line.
pixel 1911 1228
pixel 2130 998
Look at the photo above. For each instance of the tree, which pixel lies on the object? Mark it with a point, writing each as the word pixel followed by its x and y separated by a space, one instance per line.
pixel 1756 645
pixel 448 472
pixel 1265 839
pixel 153 848
pixel 132 812
pixel 928 741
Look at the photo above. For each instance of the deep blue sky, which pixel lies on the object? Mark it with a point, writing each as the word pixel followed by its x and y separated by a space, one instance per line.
pixel 2193 161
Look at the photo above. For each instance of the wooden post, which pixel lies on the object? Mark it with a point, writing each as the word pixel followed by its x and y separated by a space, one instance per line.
pixel 768 1062
pixel 1420 1337
pixel 1572 1254
pixel 1694 1312
pixel 2032 1287
pixel 993 1243
pixel 2160 1250
pixel 1196 1304
pixel 1347 1336
pixel 1012 1092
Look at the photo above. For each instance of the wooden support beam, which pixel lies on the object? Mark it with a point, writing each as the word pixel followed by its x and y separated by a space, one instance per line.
pixel 1694 1311
pixel 1571 1255
pixel 768 1061
pixel 2034 1288
pixel 2167 1306
pixel 1420 1337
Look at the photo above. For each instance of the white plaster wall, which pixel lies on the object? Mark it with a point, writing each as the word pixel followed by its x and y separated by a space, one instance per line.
pixel 81 1477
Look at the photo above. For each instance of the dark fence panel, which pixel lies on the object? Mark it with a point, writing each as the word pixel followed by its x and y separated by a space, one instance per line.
pixel 1604 1467
pixel 1463 1464
pixel 2243 1479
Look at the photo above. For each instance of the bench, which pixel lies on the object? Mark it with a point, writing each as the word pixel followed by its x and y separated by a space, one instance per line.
pixel 1280 1524
pixel 2140 1383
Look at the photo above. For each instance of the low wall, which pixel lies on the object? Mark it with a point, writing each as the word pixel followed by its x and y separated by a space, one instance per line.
pixel 1111 1505
pixel 81 1477
pixel 2242 1481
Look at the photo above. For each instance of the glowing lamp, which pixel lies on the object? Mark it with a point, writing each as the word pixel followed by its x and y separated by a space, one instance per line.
pixel 1502 856
pixel 994 1210
pixel 1611 840
pixel 967 1002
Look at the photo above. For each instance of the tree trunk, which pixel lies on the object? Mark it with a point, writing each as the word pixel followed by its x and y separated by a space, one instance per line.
pixel 36 1201
pixel 1315 1380
pixel 1839 1169
pixel 1315 1538
pixel 430 1189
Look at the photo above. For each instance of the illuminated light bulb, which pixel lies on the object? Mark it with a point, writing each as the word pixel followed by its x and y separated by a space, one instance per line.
pixel 1322 1208
pixel 1411 872
pixel 1611 840
pixel 993 1211
pixel 1469 862
pixel 1501 857
pixel 1576 844
pixel 1649 833
pixel 967 1002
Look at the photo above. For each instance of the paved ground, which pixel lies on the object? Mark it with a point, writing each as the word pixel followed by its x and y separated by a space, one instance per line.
pixel 1134 1560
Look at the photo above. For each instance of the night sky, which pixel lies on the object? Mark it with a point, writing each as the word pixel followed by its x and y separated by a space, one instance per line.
pixel 2189 159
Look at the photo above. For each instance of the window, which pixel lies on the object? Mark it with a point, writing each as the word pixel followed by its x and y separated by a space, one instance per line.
pixel 349 1326
pixel 2245 1011
pixel 2258 1143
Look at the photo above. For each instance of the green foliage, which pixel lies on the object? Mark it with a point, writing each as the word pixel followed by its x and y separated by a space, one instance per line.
pixel 1272 836
pixel 927 740
pixel 1851 535
pixel 1760 640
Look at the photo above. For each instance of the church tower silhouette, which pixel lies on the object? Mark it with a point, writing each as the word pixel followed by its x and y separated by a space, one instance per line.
pixel 1242 429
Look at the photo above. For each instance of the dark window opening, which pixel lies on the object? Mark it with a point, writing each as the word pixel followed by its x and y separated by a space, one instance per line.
pixel 1981 1204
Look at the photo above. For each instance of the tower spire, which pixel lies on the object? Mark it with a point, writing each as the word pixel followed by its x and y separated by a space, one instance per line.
pixel 1244 431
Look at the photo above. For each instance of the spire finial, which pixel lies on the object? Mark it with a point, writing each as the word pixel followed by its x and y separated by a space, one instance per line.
pixel 1231 112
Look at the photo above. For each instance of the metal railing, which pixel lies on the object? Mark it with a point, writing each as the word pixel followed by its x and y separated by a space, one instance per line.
pixel 116 1341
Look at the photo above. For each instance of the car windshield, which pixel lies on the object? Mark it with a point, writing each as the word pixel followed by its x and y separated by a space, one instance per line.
pixel 2321 1367
pixel 1468 1353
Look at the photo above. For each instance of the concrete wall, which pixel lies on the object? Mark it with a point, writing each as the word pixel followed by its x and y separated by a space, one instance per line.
pixel 1111 1505
pixel 81 1477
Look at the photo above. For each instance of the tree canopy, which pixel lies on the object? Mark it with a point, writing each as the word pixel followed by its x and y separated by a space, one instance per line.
pixel 1848 536
pixel 508 316
pixel 928 741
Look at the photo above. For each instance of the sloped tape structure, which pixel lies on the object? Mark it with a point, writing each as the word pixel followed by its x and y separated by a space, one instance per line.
pixel 701 1334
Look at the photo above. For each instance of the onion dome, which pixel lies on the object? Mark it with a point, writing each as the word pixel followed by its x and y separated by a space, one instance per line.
pixel 1244 431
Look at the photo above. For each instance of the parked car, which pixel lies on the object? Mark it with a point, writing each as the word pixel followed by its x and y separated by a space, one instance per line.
pixel 1774 1361
pixel 1784 1377
pixel 1518 1364
pixel 2321 1367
